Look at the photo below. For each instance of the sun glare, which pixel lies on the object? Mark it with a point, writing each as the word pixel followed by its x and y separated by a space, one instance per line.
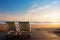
pixel 53 17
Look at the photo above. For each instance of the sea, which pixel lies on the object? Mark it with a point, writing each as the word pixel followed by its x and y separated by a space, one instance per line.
pixel 44 34
pixel 40 34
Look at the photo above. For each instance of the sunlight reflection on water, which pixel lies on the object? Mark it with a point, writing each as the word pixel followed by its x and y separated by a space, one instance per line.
pixel 43 35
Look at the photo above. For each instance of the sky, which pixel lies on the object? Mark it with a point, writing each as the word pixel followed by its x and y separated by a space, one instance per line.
pixel 30 10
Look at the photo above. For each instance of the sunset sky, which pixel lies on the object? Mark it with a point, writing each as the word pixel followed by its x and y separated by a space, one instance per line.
pixel 30 10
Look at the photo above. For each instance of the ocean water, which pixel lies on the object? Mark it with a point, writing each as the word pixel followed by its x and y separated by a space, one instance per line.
pixel 43 34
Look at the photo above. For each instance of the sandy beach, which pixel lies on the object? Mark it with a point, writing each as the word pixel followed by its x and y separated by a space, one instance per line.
pixel 43 35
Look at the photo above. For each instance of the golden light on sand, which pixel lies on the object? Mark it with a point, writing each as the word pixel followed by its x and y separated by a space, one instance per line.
pixel 48 25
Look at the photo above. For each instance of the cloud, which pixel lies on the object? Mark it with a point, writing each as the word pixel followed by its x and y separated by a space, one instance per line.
pixel 34 5
pixel 55 2
pixel 36 13
pixel 46 6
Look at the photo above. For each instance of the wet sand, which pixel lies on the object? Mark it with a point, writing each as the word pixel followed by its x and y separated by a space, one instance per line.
pixel 43 35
